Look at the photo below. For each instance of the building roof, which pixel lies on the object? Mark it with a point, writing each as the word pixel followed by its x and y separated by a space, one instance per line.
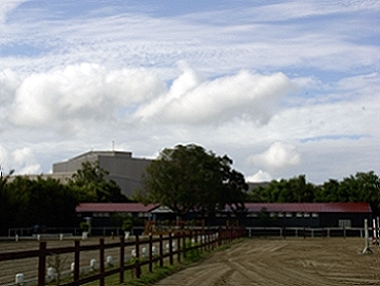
pixel 349 207
pixel 114 207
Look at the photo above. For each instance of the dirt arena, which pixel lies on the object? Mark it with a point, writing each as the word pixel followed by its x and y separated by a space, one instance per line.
pixel 29 266
pixel 330 261
pixel 290 261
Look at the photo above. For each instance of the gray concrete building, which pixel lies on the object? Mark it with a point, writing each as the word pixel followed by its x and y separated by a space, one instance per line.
pixel 125 170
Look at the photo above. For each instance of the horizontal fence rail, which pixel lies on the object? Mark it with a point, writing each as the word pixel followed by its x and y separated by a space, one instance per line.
pixel 146 250
pixel 305 232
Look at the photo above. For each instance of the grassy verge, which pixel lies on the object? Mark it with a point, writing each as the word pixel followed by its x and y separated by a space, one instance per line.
pixel 159 273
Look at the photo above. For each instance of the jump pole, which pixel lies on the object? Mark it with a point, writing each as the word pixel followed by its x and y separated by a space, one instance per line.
pixel 366 247
pixel 374 232
pixel 378 230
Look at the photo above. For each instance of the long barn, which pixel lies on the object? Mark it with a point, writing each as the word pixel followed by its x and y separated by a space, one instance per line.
pixel 350 214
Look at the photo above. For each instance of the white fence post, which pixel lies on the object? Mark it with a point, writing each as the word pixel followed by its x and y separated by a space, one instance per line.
pixel 19 279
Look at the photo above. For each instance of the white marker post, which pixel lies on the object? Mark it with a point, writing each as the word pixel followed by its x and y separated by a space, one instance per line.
pixel 366 237
pixel 374 232
pixel 378 230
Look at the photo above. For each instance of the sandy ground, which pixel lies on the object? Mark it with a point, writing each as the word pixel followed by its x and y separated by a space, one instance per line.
pixel 290 261
pixel 333 261
pixel 29 266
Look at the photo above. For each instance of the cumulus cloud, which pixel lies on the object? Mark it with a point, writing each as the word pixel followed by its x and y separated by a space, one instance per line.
pixel 260 176
pixel 23 161
pixel 9 82
pixel 193 101
pixel 278 156
pixel 80 93
pixel 26 162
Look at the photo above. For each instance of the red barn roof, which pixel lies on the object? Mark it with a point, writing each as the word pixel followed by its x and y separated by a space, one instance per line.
pixel 251 207
pixel 310 207
pixel 114 207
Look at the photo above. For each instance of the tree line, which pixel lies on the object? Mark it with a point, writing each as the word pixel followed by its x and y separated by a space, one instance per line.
pixel 185 178
pixel 361 187
pixel 25 202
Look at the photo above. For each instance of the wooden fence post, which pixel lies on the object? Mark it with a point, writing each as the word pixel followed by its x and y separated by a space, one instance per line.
pixel 150 254
pixel 122 258
pixel 170 248
pixel 101 262
pixel 161 252
pixel 184 235
pixel 137 264
pixel 42 263
pixel 178 246
pixel 76 261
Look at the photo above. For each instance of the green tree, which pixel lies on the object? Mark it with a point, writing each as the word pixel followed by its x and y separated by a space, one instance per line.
pixel 26 202
pixel 7 204
pixel 285 190
pixel 363 187
pixel 188 178
pixel 328 191
pixel 90 185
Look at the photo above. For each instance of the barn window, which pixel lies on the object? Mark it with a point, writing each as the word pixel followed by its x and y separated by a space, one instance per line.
pixel 306 214
pixel 252 215
pixel 344 223
pixel 299 214
pixel 315 215
pixel 288 215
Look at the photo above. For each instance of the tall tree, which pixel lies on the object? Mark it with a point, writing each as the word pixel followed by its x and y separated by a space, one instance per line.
pixel 188 178
pixel 90 185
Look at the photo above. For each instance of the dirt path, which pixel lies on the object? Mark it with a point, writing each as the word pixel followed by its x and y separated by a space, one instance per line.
pixel 332 261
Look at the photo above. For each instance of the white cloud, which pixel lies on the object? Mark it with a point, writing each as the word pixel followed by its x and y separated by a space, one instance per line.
pixel 193 101
pixel 6 6
pixel 9 82
pixel 260 176
pixel 278 156
pixel 70 97
pixel 25 161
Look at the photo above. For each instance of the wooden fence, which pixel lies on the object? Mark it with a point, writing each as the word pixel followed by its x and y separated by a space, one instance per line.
pixel 176 245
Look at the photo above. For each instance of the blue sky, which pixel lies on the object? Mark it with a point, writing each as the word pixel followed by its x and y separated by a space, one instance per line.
pixel 283 87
